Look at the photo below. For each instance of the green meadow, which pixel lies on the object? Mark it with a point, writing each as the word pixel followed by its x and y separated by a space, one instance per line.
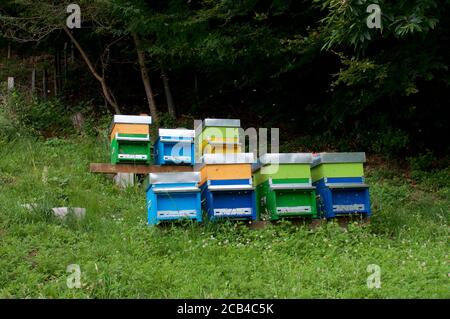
pixel 120 256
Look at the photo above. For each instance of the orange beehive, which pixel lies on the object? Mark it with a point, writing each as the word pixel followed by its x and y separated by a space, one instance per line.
pixel 225 166
pixel 225 171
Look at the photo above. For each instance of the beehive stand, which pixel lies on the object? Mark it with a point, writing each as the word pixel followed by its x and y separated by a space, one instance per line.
pixel 105 168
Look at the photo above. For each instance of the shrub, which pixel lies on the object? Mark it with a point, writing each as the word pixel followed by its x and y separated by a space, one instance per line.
pixel 37 117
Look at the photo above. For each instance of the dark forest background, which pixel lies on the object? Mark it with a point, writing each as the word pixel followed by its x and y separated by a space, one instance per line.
pixel 310 67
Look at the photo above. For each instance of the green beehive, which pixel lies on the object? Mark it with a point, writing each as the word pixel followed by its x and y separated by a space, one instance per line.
pixel 283 186
pixel 131 148
pixel 130 139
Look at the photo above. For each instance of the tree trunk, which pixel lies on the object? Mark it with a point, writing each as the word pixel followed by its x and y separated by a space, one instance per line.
pixel 9 50
pixel 196 93
pixel 105 89
pixel 168 92
pixel 44 84
pixel 55 74
pixel 55 82
pixel 59 69
pixel 65 64
pixel 72 54
pixel 145 78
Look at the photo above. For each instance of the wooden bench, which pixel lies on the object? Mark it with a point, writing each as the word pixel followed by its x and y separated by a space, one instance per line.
pixel 106 168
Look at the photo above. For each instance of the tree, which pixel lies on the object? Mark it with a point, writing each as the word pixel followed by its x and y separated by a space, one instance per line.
pixel 145 77
pixel 31 21
pixel 389 77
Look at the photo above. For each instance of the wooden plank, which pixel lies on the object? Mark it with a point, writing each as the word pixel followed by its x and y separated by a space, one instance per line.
pixel 106 168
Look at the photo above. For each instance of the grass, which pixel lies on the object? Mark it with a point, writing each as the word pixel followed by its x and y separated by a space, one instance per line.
pixel 120 256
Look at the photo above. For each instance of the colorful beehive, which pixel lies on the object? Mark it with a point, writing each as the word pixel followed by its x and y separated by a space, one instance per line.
pixel 284 186
pixel 173 196
pixel 340 184
pixel 220 136
pixel 130 139
pixel 226 184
pixel 175 146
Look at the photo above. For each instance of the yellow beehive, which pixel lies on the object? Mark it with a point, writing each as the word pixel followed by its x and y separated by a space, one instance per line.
pixel 220 136
pixel 213 148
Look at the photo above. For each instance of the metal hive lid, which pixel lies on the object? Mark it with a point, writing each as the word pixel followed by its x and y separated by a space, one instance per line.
pixel 176 132
pixel 225 158
pixel 228 158
pixel 286 158
pixel 342 157
pixel 167 178
pixel 132 119
pixel 222 122
pixel 283 158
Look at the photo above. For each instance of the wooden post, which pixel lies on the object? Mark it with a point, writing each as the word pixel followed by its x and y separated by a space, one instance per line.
pixel 33 81
pixel 10 83
pixel 124 180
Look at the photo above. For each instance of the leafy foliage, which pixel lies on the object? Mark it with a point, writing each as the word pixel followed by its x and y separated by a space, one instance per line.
pixel 308 67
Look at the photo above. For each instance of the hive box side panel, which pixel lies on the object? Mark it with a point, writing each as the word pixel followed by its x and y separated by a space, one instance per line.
pixel 225 171
pixel 220 133
pixel 282 171
pixel 130 129
pixel 217 149
pixel 203 174
pixel 337 170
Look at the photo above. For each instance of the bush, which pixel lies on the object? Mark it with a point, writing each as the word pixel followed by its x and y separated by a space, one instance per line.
pixel 391 141
pixel 430 170
pixel 422 162
pixel 36 117
pixel 8 129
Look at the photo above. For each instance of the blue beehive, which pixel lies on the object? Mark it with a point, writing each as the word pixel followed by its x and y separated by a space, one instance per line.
pixel 229 199
pixel 173 196
pixel 175 146
pixel 340 184
pixel 222 195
